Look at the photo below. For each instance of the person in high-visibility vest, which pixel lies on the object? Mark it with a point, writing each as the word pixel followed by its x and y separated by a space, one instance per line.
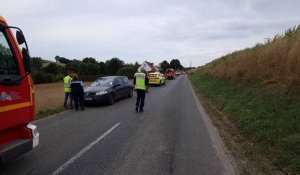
pixel 140 82
pixel 67 88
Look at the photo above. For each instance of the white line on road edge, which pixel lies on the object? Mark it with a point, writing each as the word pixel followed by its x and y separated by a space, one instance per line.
pixel 84 150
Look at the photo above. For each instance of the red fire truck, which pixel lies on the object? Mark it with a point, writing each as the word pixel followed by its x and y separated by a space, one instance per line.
pixel 170 74
pixel 17 108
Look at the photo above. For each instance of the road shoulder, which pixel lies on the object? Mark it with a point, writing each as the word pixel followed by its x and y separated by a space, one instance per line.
pixel 227 160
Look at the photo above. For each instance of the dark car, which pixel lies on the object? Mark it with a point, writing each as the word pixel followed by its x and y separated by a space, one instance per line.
pixel 108 89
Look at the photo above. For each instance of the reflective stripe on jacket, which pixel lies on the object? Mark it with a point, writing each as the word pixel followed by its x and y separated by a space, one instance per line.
pixel 140 81
pixel 67 83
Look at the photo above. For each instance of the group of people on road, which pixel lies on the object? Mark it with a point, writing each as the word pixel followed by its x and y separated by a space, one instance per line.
pixel 74 90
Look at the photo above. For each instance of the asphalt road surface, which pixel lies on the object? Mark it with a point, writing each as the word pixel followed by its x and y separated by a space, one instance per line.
pixel 172 136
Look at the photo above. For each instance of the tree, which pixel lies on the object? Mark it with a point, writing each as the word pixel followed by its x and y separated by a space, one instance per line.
pixel 73 66
pixel 52 68
pixel 102 67
pixel 175 64
pixel 136 66
pixel 89 69
pixel 164 65
pixel 113 65
pixel 89 60
pixel 76 61
pixel 128 70
pixel 36 63
pixel 62 60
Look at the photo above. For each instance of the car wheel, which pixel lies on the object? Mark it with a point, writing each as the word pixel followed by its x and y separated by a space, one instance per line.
pixel 130 94
pixel 111 99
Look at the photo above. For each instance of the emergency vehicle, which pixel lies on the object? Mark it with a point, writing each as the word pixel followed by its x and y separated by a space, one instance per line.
pixel 17 108
pixel 157 78
pixel 170 74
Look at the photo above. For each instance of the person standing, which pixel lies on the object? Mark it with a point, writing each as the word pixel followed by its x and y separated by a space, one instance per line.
pixel 140 82
pixel 67 89
pixel 77 92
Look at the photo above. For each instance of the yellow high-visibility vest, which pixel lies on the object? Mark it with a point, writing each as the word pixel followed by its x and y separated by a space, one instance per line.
pixel 67 83
pixel 140 81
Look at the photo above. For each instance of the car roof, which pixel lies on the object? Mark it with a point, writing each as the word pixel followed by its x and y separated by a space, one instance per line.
pixel 111 77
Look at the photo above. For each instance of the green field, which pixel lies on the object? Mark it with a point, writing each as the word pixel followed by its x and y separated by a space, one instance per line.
pixel 263 116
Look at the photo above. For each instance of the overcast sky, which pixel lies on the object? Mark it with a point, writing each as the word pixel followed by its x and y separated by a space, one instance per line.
pixel 193 31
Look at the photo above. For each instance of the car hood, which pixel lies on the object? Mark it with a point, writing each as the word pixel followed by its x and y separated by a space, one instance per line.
pixel 96 89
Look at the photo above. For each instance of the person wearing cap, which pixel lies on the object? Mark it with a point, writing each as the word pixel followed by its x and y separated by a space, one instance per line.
pixel 140 82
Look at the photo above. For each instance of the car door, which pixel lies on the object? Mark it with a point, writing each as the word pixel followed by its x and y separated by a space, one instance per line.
pixel 124 87
pixel 118 87
pixel 127 86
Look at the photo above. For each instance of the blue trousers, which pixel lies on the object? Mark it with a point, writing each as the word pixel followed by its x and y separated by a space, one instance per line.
pixel 140 100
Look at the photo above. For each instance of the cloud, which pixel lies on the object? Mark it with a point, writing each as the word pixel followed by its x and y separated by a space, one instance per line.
pixel 135 30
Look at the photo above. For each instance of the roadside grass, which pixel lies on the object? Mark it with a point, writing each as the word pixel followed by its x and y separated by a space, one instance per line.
pixel 268 119
pixel 275 62
pixel 47 112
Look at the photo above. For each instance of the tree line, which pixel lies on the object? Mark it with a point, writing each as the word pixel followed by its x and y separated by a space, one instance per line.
pixel 88 68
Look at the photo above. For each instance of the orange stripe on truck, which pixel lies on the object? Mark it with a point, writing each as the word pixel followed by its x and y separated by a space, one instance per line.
pixel 14 106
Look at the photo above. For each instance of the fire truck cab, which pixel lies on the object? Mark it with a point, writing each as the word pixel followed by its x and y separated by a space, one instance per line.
pixel 170 74
pixel 17 108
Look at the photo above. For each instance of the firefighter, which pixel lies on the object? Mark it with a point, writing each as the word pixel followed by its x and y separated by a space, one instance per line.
pixel 67 88
pixel 140 82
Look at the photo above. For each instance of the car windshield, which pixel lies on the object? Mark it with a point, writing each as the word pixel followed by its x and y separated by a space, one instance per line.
pixel 102 82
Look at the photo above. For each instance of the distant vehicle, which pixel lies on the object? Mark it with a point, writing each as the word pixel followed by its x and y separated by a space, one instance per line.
pixel 17 134
pixel 170 74
pixel 108 90
pixel 157 78
pixel 178 73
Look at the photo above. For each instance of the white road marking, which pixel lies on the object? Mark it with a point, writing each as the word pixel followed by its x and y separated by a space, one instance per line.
pixel 84 150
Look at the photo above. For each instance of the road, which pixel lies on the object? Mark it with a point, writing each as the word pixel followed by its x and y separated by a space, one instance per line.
pixel 172 136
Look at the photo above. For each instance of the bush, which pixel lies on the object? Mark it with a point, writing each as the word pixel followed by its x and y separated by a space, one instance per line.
pixel 127 71
pixel 89 69
pixel 52 68
pixel 59 77
pixel 40 77
pixel 89 77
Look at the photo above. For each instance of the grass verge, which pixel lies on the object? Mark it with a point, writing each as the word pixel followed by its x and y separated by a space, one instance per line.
pixel 45 113
pixel 267 124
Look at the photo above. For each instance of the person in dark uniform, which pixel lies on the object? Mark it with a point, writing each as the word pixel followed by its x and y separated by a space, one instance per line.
pixel 140 82
pixel 77 92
